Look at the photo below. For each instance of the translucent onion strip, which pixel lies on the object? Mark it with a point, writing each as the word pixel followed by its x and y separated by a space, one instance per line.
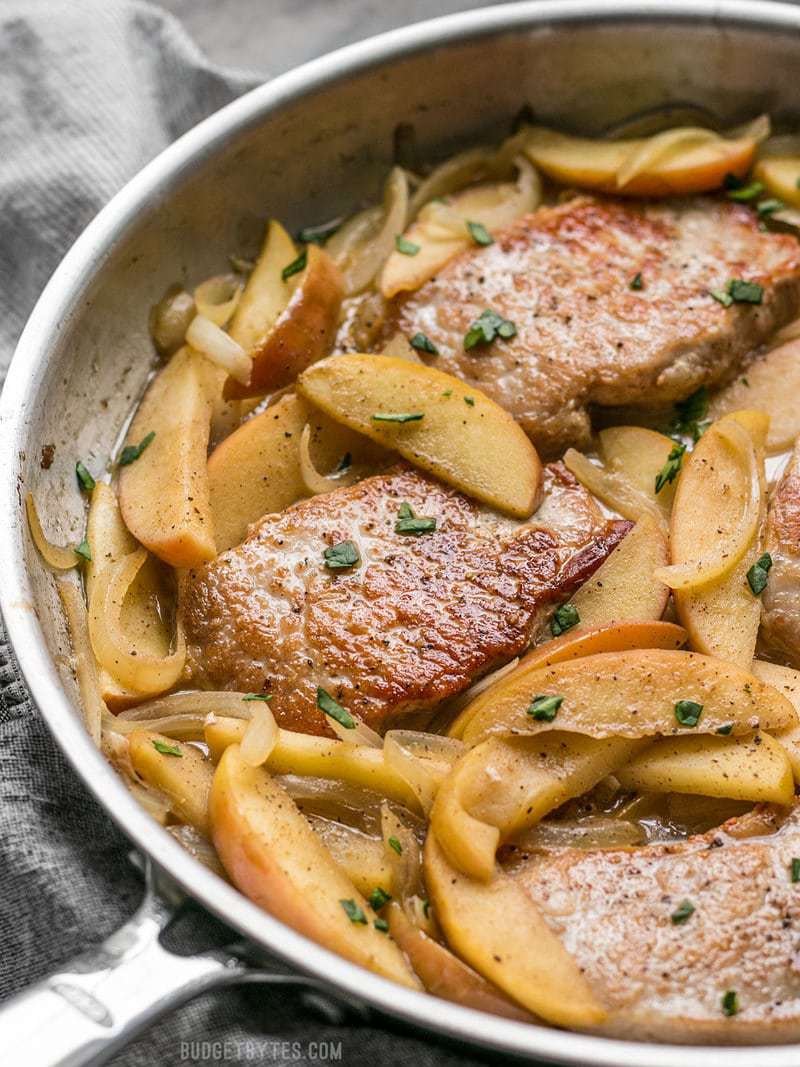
pixel 422 760
pixel 138 671
pixel 56 556
pixel 199 847
pixel 186 727
pixel 464 169
pixel 200 703
pixel 314 482
pixel 217 298
pixel 360 734
pixel 261 735
pixel 405 860
pixel 212 342
pixel 658 149
pixel 728 551
pixel 612 488
pixel 95 713
pixel 170 318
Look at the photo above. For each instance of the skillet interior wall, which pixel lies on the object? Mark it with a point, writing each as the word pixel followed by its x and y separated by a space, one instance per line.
pixel 324 155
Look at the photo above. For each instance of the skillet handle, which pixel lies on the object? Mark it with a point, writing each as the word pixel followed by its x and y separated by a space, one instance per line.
pixel 86 1011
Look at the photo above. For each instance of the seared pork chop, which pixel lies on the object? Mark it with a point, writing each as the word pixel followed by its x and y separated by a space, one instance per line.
pixel 584 333
pixel 416 621
pixel 666 980
pixel 780 601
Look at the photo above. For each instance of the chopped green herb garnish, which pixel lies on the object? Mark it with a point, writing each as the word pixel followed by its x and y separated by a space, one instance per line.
pixel 341 556
pixel 797 183
pixel 721 297
pixel 688 712
pixel 328 705
pixel 84 551
pixel 295 266
pixel 730 1003
pixel 564 618
pixel 353 912
pixel 795 870
pixel 743 292
pixel 447 392
pixel 669 472
pixel 767 207
pixel 167 750
pixel 746 192
pixel 479 234
pixel 487 327
pixel 378 897
pixel 408 248
pixel 382 925
pixel 423 344
pixel 318 235
pixel 684 911
pixel 395 845
pixel 758 574
pixel 84 476
pixel 724 730
pixel 266 697
pixel 544 708
pixel 470 401
pixel 689 413
pixel 397 416
pixel 636 281
pixel 345 463
pixel 131 453
pixel 409 523
pixel 426 907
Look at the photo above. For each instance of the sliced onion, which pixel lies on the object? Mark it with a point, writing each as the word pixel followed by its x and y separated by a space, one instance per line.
pixel 95 712
pixel 170 318
pixel 199 847
pixel 314 482
pixel 217 298
pixel 332 798
pixel 694 573
pixel 455 173
pixel 261 735
pixel 212 342
pixel 187 727
pixel 157 804
pixel 56 556
pixel 485 683
pixel 135 670
pixel 360 734
pixel 199 703
pixel 657 149
pixel 591 831
pixel 613 488
pixel 757 129
pixel 422 760
pixel 362 245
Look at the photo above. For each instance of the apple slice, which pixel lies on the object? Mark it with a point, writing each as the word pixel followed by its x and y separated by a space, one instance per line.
pixel 274 857
pixel 585 641
pixel 677 162
pixel 301 334
pixel 506 784
pixel 266 294
pixel 433 420
pixel 163 488
pixel 140 618
pixel 787 682
pixel 177 769
pixel 771 384
pixel 257 469
pixel 630 694
pixel 639 455
pixel 497 929
pixel 781 176
pixel 623 587
pixel 752 768
pixel 444 975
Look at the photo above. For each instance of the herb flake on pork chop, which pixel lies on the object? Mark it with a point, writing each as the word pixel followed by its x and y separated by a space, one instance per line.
pixel 424 610
pixel 584 335
pixel 663 932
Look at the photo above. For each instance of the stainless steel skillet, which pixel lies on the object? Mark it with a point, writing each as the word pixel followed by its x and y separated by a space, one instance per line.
pixel 306 147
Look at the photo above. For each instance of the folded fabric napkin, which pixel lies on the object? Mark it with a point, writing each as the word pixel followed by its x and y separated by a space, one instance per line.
pixel 91 90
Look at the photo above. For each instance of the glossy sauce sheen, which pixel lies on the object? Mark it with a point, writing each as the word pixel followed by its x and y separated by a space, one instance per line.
pixel 418 620
pixel 584 337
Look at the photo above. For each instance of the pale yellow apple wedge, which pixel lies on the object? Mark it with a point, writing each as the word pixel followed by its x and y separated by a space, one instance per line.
pixel 274 857
pixel 179 770
pixel 444 975
pixel 639 455
pixel 781 176
pixel 163 491
pixel 435 421
pixel 786 681
pixel 506 784
pixel 582 641
pixel 754 768
pixel 631 694
pixel 497 929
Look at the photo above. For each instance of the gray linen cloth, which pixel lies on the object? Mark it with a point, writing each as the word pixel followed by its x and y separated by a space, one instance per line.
pixel 91 90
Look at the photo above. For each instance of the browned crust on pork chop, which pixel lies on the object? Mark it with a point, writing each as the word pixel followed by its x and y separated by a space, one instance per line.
pixel 417 622
pixel 584 336
pixel 665 981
